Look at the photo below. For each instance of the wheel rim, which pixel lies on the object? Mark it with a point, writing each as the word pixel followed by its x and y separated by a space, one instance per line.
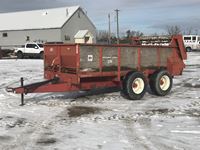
pixel 138 85
pixel 164 83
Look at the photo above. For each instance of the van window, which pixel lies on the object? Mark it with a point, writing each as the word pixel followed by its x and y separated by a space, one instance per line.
pixel 194 38
pixel 198 38
pixel 187 38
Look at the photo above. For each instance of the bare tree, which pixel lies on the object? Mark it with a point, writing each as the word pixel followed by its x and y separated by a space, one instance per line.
pixel 102 36
pixel 196 31
pixel 130 33
pixel 188 31
pixel 155 34
pixel 173 30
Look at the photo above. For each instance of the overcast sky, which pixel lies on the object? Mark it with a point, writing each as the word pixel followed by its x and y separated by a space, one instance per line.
pixel 148 16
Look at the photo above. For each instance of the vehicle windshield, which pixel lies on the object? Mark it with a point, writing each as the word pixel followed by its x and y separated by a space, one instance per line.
pixel 40 45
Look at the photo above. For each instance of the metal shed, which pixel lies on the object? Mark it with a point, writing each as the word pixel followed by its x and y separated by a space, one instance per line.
pixel 84 36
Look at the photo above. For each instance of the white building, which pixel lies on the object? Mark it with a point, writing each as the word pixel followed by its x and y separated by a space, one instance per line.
pixel 48 25
pixel 84 36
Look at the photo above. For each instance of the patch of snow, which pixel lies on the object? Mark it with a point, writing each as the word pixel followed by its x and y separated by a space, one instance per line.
pixel 44 122
pixel 185 132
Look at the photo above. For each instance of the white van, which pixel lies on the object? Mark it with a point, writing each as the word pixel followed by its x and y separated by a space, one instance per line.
pixel 191 42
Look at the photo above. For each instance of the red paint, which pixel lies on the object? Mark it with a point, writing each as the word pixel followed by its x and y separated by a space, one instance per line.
pixel 158 57
pixel 63 61
pixel 139 59
pixel 119 64
pixel 100 59
pixel 161 82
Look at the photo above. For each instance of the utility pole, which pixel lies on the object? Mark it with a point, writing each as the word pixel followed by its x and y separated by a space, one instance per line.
pixel 117 14
pixel 109 30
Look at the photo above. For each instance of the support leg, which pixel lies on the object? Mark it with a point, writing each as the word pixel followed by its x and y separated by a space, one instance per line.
pixel 22 95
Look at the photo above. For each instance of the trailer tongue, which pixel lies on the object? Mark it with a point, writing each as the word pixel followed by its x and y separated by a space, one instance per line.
pixel 74 67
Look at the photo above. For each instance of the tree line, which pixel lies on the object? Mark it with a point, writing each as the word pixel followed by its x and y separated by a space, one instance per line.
pixel 103 35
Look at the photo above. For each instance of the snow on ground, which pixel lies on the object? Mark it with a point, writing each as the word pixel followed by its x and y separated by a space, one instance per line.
pixel 82 121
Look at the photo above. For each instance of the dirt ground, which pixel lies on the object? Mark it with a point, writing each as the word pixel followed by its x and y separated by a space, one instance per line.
pixel 99 119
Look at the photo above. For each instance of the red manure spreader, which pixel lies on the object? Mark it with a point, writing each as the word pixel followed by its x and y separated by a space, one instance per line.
pixel 152 61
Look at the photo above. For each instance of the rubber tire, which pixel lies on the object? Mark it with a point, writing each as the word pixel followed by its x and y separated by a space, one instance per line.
pixel 20 55
pixel 41 56
pixel 129 91
pixel 124 89
pixel 154 83
pixel 188 49
pixel 124 83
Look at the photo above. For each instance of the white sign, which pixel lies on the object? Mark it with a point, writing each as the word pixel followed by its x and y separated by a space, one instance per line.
pixel 90 57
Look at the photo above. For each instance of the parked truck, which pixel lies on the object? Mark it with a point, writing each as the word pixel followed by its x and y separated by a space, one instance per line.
pixel 30 50
pixel 74 67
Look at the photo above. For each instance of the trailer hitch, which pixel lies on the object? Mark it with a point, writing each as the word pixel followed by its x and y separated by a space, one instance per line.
pixel 25 89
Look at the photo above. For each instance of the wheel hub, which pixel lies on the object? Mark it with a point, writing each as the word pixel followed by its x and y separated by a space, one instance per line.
pixel 138 86
pixel 164 83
